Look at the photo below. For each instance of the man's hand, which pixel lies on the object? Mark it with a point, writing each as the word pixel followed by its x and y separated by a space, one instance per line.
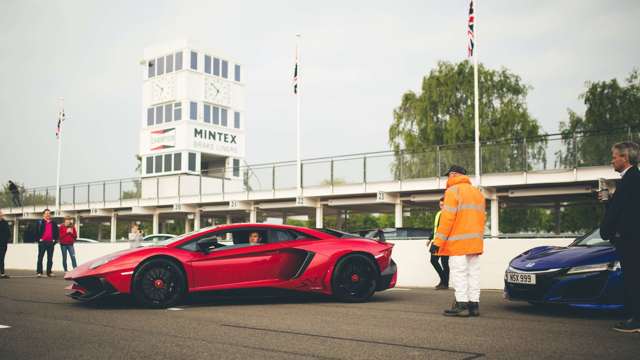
pixel 434 249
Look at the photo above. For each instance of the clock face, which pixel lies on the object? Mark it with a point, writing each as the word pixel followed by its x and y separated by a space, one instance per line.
pixel 217 91
pixel 163 89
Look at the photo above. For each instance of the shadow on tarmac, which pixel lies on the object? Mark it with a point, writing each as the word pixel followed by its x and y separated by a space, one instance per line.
pixel 563 311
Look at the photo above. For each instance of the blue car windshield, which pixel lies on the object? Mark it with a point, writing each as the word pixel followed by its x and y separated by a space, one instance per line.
pixel 592 239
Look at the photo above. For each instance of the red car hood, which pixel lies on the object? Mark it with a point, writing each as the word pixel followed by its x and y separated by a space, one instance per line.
pixel 85 270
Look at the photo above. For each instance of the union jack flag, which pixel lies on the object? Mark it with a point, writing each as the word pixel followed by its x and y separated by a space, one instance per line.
pixel 470 33
pixel 59 127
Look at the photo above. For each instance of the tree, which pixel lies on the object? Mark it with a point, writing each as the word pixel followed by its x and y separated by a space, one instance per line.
pixel 612 114
pixel 442 115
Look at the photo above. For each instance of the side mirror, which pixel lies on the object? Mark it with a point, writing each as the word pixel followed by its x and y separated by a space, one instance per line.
pixel 205 244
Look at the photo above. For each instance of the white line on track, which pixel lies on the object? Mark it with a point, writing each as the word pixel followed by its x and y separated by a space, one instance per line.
pixel 4 326
pixel 175 309
pixel 398 289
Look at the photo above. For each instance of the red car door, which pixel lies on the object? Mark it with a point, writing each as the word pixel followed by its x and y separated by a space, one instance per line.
pixel 237 266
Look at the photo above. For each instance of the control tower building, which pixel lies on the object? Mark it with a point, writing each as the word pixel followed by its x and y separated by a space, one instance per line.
pixel 192 119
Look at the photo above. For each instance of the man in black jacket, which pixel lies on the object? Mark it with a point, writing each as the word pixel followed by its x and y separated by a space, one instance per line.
pixel 620 226
pixel 5 235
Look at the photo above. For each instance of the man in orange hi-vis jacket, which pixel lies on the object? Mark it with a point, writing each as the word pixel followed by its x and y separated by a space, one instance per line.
pixel 459 236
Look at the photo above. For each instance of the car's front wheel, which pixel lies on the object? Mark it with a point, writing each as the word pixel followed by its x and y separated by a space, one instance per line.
pixel 159 284
pixel 354 278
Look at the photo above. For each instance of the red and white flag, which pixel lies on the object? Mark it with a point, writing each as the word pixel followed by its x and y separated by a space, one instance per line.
pixel 470 33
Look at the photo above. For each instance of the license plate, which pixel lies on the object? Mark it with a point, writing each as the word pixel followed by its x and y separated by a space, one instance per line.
pixel 519 278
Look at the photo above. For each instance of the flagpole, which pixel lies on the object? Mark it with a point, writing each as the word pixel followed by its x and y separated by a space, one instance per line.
pixel 298 160
pixel 476 106
pixel 57 210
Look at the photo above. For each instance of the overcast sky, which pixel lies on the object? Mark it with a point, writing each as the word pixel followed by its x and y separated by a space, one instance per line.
pixel 358 58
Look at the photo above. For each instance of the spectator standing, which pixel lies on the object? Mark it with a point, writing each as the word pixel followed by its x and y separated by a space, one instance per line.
pixel 135 236
pixel 620 227
pixel 5 235
pixel 68 236
pixel 47 233
pixel 460 236
pixel 15 194
pixel 436 261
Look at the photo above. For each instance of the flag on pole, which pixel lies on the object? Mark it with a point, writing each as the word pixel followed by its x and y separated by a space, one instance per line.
pixel 295 75
pixel 470 33
pixel 59 127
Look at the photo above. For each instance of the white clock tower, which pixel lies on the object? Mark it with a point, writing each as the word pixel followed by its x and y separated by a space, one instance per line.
pixel 193 112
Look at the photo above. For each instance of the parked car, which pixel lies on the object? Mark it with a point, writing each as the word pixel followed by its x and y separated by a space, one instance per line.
pixel 402 233
pixel 586 273
pixel 158 237
pixel 221 258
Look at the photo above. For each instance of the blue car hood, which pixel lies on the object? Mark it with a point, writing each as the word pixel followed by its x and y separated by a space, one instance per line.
pixel 551 257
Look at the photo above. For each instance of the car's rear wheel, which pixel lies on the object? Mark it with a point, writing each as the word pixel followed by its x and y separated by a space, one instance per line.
pixel 354 278
pixel 159 284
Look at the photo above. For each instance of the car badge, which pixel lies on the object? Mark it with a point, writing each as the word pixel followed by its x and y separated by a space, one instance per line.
pixel 531 264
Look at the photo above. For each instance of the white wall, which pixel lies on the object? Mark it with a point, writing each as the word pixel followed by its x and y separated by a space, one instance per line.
pixel 411 256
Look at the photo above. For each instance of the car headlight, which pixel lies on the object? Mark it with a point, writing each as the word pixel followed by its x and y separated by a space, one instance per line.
pixel 590 268
pixel 101 262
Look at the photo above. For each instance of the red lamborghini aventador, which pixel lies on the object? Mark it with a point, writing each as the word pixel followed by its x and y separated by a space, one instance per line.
pixel 240 256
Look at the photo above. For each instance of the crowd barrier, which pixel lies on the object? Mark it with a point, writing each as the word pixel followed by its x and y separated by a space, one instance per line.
pixel 414 269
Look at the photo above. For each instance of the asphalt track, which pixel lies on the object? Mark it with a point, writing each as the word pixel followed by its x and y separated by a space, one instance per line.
pixel 395 324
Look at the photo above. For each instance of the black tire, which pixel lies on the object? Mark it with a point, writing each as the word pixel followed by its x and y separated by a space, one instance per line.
pixel 159 284
pixel 354 278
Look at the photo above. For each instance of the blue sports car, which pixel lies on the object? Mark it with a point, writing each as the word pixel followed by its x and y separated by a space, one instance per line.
pixel 584 274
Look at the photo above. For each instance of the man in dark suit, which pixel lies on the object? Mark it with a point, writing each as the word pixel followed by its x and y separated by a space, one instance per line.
pixel 620 226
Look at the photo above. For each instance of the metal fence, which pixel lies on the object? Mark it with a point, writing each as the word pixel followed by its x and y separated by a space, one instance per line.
pixel 549 152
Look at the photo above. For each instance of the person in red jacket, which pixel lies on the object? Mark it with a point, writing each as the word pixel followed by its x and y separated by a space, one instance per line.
pixel 68 236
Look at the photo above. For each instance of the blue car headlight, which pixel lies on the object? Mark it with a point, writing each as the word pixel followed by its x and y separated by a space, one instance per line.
pixel 613 266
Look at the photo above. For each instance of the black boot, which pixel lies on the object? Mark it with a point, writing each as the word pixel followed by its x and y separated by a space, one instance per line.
pixel 458 309
pixel 442 286
pixel 474 308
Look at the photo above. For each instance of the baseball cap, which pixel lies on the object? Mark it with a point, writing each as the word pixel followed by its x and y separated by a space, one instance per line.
pixel 456 168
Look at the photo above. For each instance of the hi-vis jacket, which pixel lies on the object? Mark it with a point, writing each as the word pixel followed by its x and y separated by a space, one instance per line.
pixel 461 227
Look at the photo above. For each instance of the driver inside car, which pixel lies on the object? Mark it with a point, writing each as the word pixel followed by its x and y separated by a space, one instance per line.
pixel 255 238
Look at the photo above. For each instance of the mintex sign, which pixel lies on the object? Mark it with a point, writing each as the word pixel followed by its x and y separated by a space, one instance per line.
pixel 162 139
pixel 217 141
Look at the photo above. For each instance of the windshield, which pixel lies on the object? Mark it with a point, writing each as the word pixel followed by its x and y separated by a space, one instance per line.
pixel 338 233
pixel 177 238
pixel 592 239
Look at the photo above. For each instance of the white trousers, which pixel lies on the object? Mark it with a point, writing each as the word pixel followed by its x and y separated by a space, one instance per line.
pixel 465 277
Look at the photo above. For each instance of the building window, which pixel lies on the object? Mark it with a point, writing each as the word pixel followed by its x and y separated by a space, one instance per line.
pixel 216 66
pixel 236 120
pixel 223 117
pixel 192 162
pixel 149 160
pixel 194 60
pixel 167 162
pixel 225 69
pixel 152 68
pixel 207 64
pixel 193 110
pixel 158 161
pixel 236 167
pixel 207 113
pixel 177 162
pixel 177 111
pixel 159 114
pixel 216 115
pixel 169 63
pixel 179 60
pixel 168 112
pixel 237 73
pixel 160 63
pixel 150 113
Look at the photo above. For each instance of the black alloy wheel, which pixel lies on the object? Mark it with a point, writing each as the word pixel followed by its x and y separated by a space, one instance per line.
pixel 354 278
pixel 159 284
